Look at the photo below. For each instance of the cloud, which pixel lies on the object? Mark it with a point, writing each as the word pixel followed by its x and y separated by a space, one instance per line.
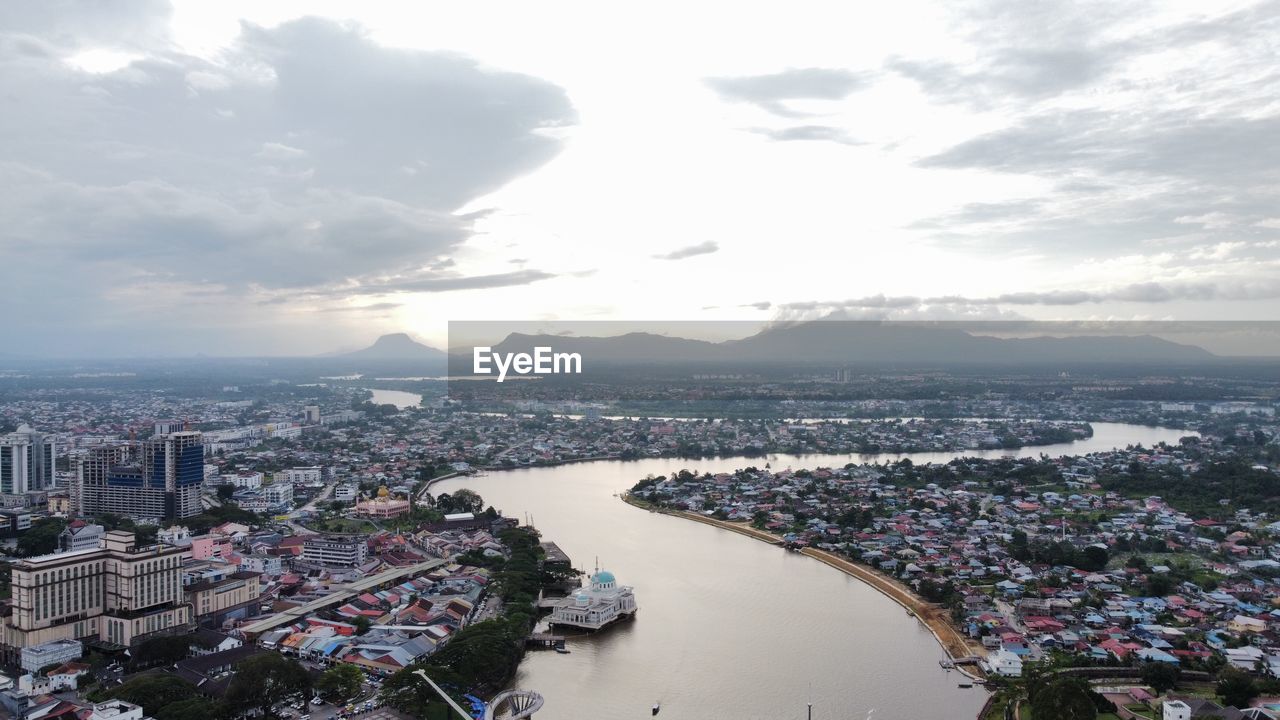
pixel 1146 292
pixel 770 92
pixel 372 307
pixel 1025 53
pixel 1143 130
pixel 445 283
pixel 1169 144
pixel 702 248
pixel 70 24
pixel 807 133
pixel 275 169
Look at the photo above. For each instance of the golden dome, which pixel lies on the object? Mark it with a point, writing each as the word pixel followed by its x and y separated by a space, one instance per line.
pixel 383 491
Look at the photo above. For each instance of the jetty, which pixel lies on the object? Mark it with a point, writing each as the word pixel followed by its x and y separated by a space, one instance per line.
pixel 544 640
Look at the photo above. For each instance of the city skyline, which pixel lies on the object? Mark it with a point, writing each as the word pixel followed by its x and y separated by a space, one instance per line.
pixel 236 180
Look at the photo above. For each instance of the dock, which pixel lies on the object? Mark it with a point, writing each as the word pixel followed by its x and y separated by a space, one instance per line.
pixel 544 640
pixel 554 555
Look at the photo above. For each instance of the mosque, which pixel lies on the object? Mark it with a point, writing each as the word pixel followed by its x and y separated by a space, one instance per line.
pixel 384 507
pixel 596 605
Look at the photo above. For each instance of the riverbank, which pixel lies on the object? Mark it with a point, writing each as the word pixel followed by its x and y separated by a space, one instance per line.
pixel 938 621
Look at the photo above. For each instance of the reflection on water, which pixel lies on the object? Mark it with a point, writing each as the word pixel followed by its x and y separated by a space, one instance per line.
pixel 729 627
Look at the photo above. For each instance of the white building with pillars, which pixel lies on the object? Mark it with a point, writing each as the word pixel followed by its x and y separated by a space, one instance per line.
pixel 592 607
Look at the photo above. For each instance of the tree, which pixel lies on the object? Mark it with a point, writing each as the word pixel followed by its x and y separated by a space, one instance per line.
pixel 1094 557
pixel 1159 585
pixel 225 491
pixel 466 500
pixel 163 650
pixel 263 680
pixel 42 538
pixel 146 534
pixel 153 691
pixel 1161 676
pixel 362 624
pixel 1067 698
pixel 1236 687
pixel 340 683
pixel 193 708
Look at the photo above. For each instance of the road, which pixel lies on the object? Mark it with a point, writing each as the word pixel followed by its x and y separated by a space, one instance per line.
pixel 323 495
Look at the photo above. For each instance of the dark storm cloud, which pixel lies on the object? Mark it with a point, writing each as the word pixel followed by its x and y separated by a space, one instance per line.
pixel 770 92
pixel 702 248
pixel 308 158
pixel 810 133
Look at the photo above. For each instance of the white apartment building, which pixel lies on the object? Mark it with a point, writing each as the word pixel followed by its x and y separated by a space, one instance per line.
pixel 335 550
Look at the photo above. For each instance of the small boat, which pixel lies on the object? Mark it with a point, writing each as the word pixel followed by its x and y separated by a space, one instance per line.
pixel 656 708
pixel 562 651
pixel 965 685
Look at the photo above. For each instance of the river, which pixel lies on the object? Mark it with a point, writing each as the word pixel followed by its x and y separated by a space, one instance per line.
pixel 730 627
pixel 399 398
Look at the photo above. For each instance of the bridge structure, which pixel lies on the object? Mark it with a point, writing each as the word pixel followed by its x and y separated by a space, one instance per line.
pixel 509 705
pixel 513 705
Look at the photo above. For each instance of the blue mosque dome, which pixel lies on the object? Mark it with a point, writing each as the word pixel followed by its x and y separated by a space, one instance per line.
pixel 604 577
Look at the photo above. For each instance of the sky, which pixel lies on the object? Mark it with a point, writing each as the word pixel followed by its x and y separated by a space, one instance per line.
pixel 291 178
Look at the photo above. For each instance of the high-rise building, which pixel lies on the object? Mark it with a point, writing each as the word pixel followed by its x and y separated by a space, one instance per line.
pixel 311 414
pixel 161 481
pixel 92 469
pixel 26 461
pixel 119 593
pixel 169 426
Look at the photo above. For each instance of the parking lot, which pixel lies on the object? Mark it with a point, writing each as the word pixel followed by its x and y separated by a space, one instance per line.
pixel 363 706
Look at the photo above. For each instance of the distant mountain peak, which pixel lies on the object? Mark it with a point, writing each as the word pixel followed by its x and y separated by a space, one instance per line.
pixel 394 339
pixel 395 346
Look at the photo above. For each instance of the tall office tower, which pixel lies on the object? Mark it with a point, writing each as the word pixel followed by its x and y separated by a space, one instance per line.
pixel 26 461
pixel 161 483
pixel 177 459
pixel 311 414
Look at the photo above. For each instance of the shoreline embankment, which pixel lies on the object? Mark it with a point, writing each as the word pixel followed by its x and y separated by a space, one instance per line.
pixel 934 618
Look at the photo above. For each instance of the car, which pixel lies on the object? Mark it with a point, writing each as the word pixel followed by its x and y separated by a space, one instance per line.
pixel 316 701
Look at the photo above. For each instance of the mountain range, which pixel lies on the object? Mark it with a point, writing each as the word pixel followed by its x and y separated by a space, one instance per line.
pixel 864 343
pixel 824 342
